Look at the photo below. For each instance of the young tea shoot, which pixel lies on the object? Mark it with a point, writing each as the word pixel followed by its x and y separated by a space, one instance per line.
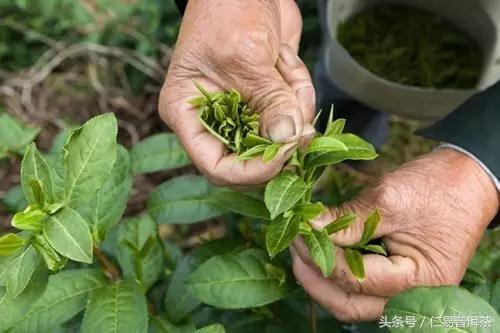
pixel 288 197
pixel 232 121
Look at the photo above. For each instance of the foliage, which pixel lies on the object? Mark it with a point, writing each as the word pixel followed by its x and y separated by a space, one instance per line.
pixel 30 27
pixel 75 264
pixel 412 47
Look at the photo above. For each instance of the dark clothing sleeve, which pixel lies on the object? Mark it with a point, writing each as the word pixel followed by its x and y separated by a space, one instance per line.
pixel 181 5
pixel 475 127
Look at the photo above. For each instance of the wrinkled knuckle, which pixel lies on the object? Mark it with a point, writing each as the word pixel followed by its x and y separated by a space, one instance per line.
pixel 243 49
pixel 389 197
pixel 268 93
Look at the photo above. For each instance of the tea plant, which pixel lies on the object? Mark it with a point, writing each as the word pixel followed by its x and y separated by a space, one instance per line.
pixel 288 197
pixel 71 262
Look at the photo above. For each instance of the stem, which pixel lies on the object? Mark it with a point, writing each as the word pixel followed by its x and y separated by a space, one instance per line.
pixel 312 314
pixel 109 269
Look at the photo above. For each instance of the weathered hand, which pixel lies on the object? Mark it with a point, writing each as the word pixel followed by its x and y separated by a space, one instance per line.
pixel 250 46
pixel 433 210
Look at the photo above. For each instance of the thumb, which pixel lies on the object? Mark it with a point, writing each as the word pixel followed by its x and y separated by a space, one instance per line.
pixel 352 234
pixel 281 119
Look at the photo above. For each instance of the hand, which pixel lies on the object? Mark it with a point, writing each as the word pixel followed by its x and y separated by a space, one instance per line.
pixel 250 46
pixel 434 211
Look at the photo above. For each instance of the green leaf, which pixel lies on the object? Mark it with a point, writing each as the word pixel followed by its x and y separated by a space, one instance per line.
pixel 90 155
pixel 270 152
pixel 357 149
pixel 431 305
pixel 159 324
pixel 252 140
pixel 30 219
pixel 309 211
pixel 14 200
pixel 13 134
pixel 139 251
pixel 104 208
pixel 21 270
pixel 240 203
pixel 237 281
pixel 10 243
pixel 215 328
pixel 34 167
pixel 375 249
pixel 183 200
pixel 13 309
pixel 325 144
pixel 119 307
pixel 335 127
pixel 322 250
pixel 53 260
pixel 65 296
pixel 252 152
pixel 158 152
pixel 371 223
pixel 354 260
pixel 281 233
pixel 341 223
pixel 69 234
pixel 283 192
pixel 179 302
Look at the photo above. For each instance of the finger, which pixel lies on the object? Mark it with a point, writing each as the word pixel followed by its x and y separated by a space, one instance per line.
pixel 207 152
pixel 352 234
pixel 296 74
pixel 345 306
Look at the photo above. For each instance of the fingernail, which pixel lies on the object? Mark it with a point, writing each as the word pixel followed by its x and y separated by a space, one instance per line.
pixel 281 128
pixel 293 252
pixel 306 98
pixel 289 57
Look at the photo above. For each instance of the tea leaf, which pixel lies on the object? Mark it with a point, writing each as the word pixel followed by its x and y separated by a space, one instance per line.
pixel 371 224
pixel 21 270
pixel 10 243
pixel 53 260
pixel 236 281
pixel 375 249
pixel 252 140
pixel 357 149
pixel 69 234
pixel 14 200
pixel 65 296
pixel 14 135
pixel 321 250
pixel 183 200
pixel 158 152
pixel 159 324
pixel 280 234
pixel 34 167
pixel 13 309
pixel 270 152
pixel 335 127
pixel 240 203
pixel 283 192
pixel 139 251
pixel 309 211
pixel 215 328
pixel 341 223
pixel 252 152
pixel 325 144
pixel 354 260
pixel 29 219
pixel 118 307
pixel 429 304
pixel 90 155
pixel 103 209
